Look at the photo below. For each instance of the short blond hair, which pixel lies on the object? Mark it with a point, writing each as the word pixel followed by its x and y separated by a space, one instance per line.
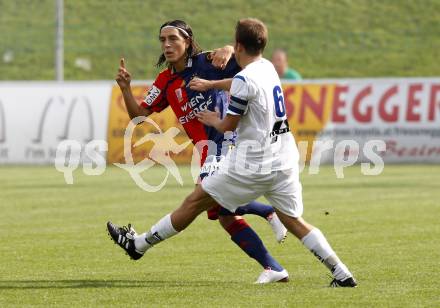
pixel 252 34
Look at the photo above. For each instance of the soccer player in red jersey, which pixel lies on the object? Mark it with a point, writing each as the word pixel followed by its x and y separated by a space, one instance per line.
pixel 185 61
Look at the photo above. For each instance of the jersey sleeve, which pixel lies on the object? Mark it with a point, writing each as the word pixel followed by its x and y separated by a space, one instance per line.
pixel 213 73
pixel 155 99
pixel 231 69
pixel 240 95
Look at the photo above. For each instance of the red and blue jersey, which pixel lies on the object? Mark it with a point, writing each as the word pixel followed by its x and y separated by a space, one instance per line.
pixel 171 89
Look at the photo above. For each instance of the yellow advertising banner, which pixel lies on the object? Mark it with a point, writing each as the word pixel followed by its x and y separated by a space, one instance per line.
pixel 308 108
pixel 119 120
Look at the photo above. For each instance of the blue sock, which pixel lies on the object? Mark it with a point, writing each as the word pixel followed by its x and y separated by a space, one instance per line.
pixel 255 208
pixel 249 242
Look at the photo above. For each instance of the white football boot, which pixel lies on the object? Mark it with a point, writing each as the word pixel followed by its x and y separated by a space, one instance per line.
pixel 268 276
pixel 277 227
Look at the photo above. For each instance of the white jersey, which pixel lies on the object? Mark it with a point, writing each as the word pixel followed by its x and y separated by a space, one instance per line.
pixel 264 142
pixel 265 159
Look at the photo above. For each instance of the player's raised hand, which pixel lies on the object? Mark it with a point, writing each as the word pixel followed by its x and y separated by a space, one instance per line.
pixel 220 56
pixel 199 84
pixel 123 78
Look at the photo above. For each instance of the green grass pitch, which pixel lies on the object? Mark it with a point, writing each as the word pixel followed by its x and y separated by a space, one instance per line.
pixel 55 250
pixel 345 38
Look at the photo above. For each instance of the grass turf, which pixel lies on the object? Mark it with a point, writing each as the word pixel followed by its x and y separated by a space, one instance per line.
pixel 346 38
pixel 55 250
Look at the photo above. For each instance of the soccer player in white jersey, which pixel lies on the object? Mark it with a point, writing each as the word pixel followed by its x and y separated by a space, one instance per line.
pixel 266 146
pixel 264 161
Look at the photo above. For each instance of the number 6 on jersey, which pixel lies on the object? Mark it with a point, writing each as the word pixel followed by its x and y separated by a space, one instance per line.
pixel 278 98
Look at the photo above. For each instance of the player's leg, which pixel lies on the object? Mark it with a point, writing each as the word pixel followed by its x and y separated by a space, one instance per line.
pixel 249 241
pixel 255 208
pixel 316 242
pixel 268 213
pixel 232 192
pixel 252 208
pixel 135 245
pixel 286 198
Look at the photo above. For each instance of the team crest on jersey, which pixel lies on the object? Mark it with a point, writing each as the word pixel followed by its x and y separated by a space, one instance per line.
pixel 179 94
pixel 152 94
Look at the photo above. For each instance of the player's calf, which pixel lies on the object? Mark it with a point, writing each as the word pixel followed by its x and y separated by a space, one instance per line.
pixel 262 210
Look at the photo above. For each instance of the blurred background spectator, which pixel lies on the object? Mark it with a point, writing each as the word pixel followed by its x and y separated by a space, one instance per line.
pixel 279 60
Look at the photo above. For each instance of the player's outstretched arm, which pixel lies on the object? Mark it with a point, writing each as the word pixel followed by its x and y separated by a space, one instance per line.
pixel 123 78
pixel 227 124
pixel 201 85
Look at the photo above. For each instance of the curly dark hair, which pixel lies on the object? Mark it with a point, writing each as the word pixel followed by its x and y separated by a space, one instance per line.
pixel 193 48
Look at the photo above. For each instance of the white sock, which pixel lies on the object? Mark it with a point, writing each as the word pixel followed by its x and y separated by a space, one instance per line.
pixel 341 272
pixel 316 242
pixel 162 230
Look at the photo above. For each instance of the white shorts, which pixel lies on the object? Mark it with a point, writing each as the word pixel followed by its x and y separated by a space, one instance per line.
pixel 282 189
